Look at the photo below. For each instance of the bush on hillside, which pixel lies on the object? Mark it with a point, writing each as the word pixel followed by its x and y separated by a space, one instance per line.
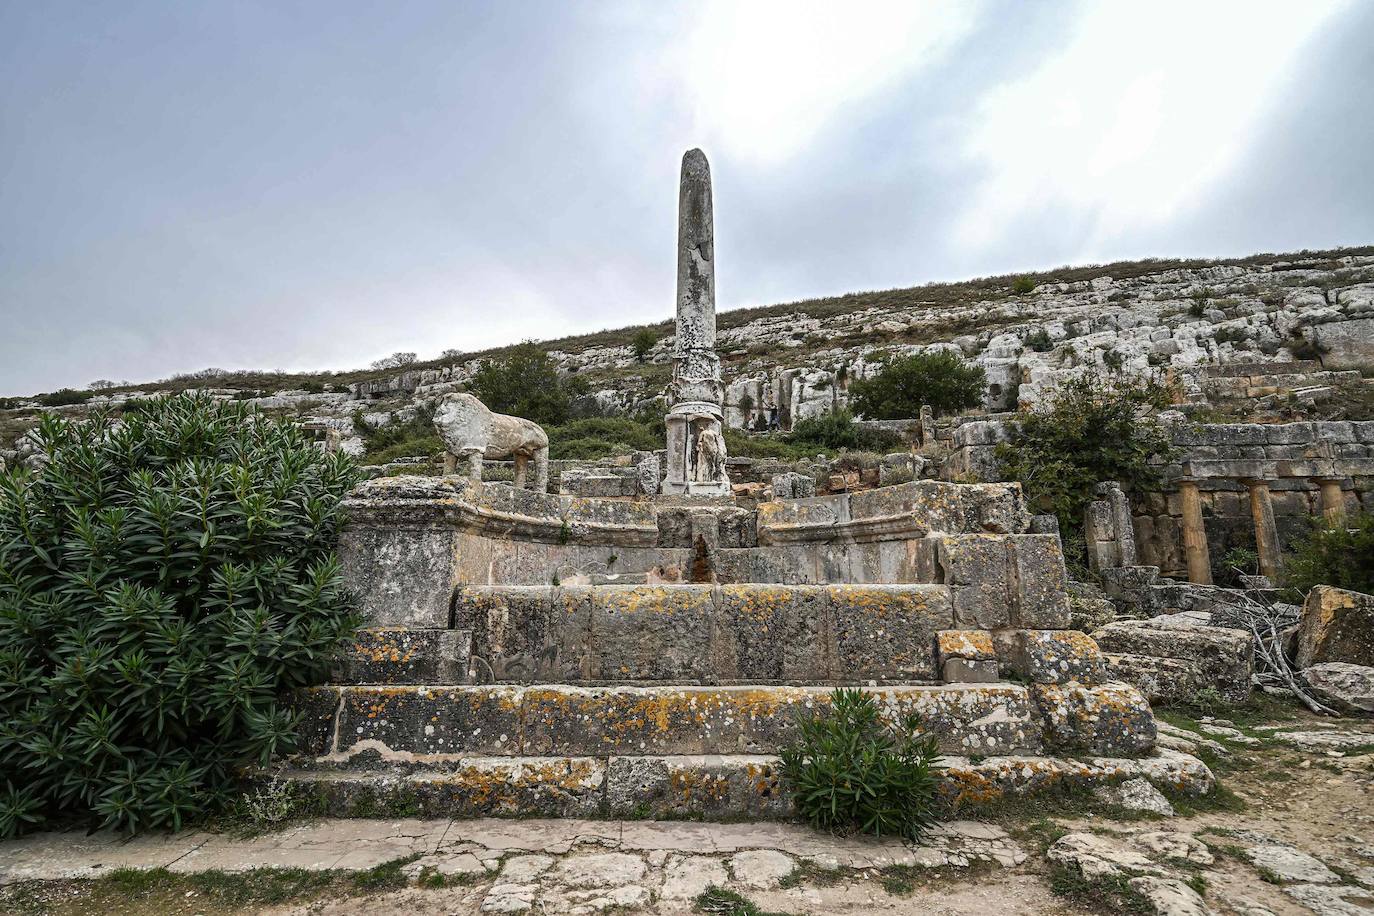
pixel 64 397
pixel 643 342
pixel 942 379
pixel 526 383
pixel 602 437
pixel 162 579
pixel 1339 553
pixel 849 771
pixel 412 438
pixel 836 429
pixel 1093 428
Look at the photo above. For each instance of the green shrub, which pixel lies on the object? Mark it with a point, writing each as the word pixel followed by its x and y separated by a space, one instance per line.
pixel 525 383
pixel 162 580
pixel 851 771
pixel 1236 336
pixel 1022 285
pixel 601 437
pixel 415 438
pixel 941 379
pixel 643 342
pixel 1339 553
pixel 1093 428
pixel 1040 341
pixel 835 430
pixel 65 396
pixel 1113 360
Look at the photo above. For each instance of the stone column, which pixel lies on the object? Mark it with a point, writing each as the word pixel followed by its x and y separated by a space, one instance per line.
pixel 1194 534
pixel 1266 531
pixel 1333 499
pixel 696 444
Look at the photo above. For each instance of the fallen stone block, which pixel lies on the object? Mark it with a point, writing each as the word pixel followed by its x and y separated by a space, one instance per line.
pixel 1113 719
pixel 1348 688
pixel 1337 625
pixel 1221 659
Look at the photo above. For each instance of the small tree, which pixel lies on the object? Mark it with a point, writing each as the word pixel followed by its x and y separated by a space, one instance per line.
pixel 1091 429
pixel 451 354
pixel 397 360
pixel 941 379
pixel 643 342
pixel 526 383
pixel 101 384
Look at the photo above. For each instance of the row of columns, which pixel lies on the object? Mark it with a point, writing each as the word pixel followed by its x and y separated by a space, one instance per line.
pixel 1266 530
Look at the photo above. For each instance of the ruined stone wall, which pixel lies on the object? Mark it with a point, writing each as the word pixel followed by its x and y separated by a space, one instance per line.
pixel 1291 458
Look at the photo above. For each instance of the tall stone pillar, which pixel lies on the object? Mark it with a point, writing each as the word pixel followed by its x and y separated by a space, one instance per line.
pixel 1194 534
pixel 696 443
pixel 1333 498
pixel 1266 530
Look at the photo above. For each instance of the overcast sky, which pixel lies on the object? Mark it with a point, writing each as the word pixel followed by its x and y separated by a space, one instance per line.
pixel 314 185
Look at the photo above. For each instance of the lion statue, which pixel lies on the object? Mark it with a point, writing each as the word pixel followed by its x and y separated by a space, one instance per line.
pixel 471 432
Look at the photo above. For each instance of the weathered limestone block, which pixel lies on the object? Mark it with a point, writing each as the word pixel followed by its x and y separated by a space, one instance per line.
pixel 1337 626
pixel 429 720
pixel 1161 680
pixel 1050 656
pixel 403 576
pixel 770 633
pixel 402 655
pixel 966 657
pixel 694 786
pixel 887 632
pixel 526 634
pixel 1348 688
pixel 1113 719
pixel 792 485
pixel 648 632
pixel 1000 581
pixel 1222 659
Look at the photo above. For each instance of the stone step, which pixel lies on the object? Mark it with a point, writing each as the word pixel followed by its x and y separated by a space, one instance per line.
pixel 703 633
pixel 386 725
pixel 701 786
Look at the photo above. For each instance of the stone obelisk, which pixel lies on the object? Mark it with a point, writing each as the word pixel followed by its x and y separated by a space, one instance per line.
pixel 696 445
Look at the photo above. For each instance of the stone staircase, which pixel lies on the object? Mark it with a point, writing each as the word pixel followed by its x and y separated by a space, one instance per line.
pixel 673 699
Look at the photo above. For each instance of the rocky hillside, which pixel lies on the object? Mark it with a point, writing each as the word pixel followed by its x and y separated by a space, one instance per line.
pixel 1307 319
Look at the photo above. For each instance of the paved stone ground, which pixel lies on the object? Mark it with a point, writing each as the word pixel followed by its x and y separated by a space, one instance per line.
pixel 1302 843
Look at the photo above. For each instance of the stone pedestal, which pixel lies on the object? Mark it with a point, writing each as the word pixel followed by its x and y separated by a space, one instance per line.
pixel 696 451
pixel 1194 534
pixel 1266 530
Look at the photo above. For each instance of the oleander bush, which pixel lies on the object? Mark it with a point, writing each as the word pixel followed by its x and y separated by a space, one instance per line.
pixel 850 771
pixel 163 578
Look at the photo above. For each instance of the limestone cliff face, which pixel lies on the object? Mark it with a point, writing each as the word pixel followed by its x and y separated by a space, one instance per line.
pixel 1308 314
pixel 1223 331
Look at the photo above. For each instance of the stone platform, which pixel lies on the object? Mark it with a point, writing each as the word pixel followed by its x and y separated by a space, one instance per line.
pixel 508 670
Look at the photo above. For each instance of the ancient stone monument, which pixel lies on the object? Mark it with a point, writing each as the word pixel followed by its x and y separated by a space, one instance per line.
pixel 696 446
pixel 562 654
pixel 471 433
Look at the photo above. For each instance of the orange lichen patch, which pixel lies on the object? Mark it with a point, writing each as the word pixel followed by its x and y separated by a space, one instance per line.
pixel 966 644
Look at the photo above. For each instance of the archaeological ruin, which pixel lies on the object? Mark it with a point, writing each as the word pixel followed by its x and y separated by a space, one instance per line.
pixel 647 652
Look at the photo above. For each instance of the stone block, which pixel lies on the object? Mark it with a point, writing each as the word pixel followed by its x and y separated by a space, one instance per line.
pixel 975 569
pixel 657 633
pixel 1337 625
pixel 1161 680
pixel 1345 687
pixel 887 632
pixel 1050 656
pixel 319 707
pixel 973 645
pixel 1113 719
pixel 696 786
pixel 400 655
pixel 1038 583
pixel 1288 433
pixel 970 671
pixel 791 485
pixel 1222 659
pixel 772 632
pixel 402 576
pixel 430 720
pixel 526 634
